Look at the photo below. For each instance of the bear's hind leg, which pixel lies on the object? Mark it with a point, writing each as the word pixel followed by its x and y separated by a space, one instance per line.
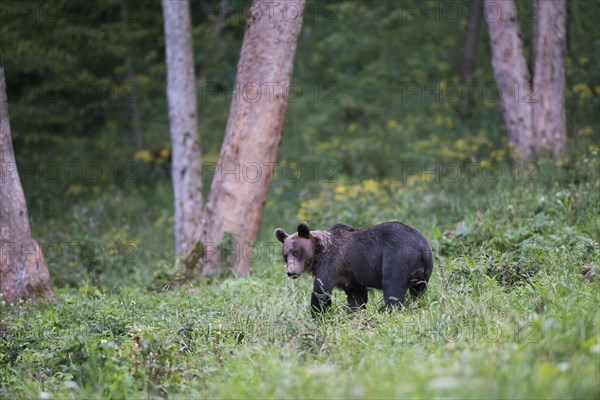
pixel 394 294
pixel 418 287
pixel 395 282
pixel 357 297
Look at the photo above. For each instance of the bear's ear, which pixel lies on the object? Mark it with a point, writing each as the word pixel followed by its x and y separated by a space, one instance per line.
pixel 303 230
pixel 280 234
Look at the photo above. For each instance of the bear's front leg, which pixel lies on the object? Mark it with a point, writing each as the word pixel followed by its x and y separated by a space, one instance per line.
pixel 321 297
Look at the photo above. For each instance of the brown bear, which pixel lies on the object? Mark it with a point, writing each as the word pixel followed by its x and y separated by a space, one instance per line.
pixel 391 256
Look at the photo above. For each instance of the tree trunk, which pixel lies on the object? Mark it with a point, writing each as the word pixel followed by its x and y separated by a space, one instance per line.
pixel 185 140
pixel 469 53
pixel 534 111
pixel 549 78
pixel 23 270
pixel 511 74
pixel 253 135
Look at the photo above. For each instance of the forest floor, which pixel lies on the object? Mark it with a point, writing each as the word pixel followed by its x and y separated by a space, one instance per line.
pixel 511 312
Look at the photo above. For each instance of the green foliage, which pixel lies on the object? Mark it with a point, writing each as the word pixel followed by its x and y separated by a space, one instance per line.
pixel 511 310
pixel 65 81
pixel 107 238
pixel 464 338
pixel 508 313
pixel 357 68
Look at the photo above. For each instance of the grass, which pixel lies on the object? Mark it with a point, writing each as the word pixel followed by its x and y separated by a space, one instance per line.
pixel 509 313
pixel 254 338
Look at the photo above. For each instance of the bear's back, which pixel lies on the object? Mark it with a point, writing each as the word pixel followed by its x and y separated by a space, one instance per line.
pixel 340 227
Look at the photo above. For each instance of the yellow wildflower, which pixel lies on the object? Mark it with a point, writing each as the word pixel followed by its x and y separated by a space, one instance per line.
pixel 143 155
pixel 353 127
pixel 164 153
pixel 340 192
pixel 75 189
pixel 370 186
pixel 354 191
pixel 584 91
pixel 159 221
pixel 498 155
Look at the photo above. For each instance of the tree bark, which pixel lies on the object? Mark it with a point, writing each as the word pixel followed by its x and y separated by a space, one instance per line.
pixel 549 78
pixel 253 135
pixel 469 53
pixel 534 112
pixel 185 139
pixel 511 74
pixel 23 270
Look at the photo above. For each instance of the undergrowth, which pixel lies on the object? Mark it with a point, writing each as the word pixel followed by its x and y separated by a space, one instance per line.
pixel 511 310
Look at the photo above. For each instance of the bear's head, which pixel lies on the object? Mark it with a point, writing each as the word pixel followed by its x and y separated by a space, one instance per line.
pixel 298 249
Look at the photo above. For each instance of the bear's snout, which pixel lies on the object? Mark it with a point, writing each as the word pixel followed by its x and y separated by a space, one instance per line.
pixel 292 275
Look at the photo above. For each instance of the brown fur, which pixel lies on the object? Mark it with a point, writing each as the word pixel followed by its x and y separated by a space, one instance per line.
pixel 391 256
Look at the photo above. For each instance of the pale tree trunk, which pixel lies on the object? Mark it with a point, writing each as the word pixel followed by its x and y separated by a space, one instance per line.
pixel 534 112
pixel 511 73
pixel 23 270
pixel 185 139
pixel 549 77
pixel 253 134
pixel 469 53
